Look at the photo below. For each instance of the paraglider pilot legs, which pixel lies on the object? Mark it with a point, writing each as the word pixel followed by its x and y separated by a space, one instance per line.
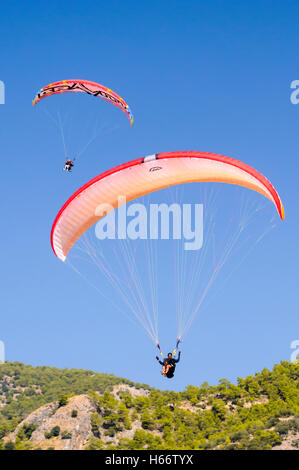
pixel 165 369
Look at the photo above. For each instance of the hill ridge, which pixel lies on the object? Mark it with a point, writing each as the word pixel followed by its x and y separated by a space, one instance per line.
pixel 76 409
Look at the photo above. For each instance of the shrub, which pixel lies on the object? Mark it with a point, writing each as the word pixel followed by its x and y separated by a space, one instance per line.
pixel 264 440
pixel 230 447
pixel 295 423
pixel 53 433
pixel 283 427
pixel 95 444
pixel 110 432
pixel 238 435
pixel 25 432
pixel 146 421
pixel 63 400
pixel 295 443
pixel 134 415
pixel 285 413
pixel 219 410
pixel 96 422
pixel 271 422
pixel 9 446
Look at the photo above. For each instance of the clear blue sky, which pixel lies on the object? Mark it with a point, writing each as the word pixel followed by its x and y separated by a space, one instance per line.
pixel 212 76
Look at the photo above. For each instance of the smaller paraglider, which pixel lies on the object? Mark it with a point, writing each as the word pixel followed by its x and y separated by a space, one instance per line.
pixel 68 166
pixel 84 86
pixel 89 88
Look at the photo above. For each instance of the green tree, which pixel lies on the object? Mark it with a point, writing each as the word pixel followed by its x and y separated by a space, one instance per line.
pixel 63 400
pixel 146 421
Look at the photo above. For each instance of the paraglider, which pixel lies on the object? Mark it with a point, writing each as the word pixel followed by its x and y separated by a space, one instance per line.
pixel 84 86
pixel 81 86
pixel 135 179
pixel 169 364
pixel 68 165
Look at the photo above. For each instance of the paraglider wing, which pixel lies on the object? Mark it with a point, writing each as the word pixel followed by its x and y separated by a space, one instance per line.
pixel 143 176
pixel 84 86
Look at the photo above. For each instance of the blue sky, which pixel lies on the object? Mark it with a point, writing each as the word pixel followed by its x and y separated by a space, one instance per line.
pixel 212 76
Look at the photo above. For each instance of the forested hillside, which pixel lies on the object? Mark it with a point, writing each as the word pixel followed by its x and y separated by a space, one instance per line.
pixel 78 409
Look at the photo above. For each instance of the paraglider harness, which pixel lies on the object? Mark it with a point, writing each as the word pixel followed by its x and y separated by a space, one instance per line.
pixel 171 361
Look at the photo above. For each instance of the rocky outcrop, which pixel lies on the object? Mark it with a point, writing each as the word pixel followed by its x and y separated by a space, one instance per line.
pixel 134 392
pixel 76 431
pixel 77 428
